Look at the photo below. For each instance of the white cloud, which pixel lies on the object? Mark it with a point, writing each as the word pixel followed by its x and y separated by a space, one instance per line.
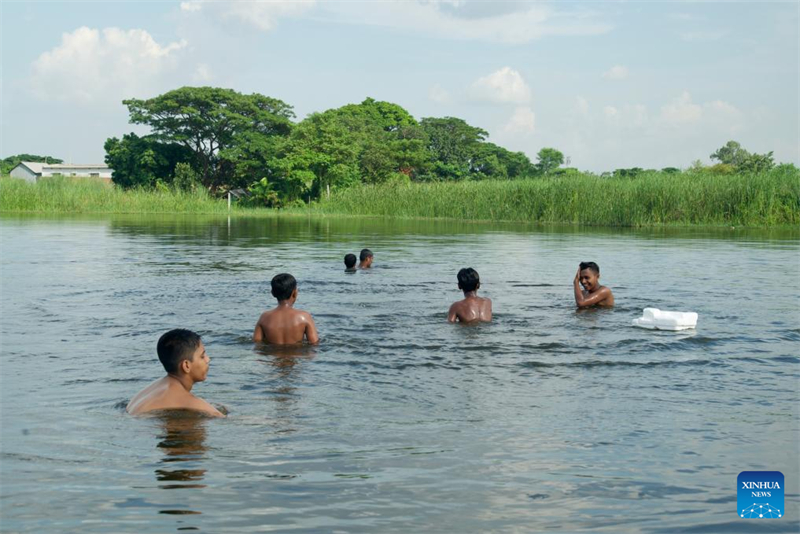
pixel 439 94
pixel 723 116
pixel 681 111
pixel 617 72
pixel 260 14
pixel 191 6
pixel 475 21
pixel 523 120
pixel 610 112
pixel 202 73
pixel 631 116
pixel 92 66
pixel 503 86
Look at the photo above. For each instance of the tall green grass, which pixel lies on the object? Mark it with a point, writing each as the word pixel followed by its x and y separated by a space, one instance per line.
pixel 768 199
pixel 765 199
pixel 67 195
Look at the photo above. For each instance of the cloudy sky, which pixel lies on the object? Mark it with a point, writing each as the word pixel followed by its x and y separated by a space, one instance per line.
pixel 610 84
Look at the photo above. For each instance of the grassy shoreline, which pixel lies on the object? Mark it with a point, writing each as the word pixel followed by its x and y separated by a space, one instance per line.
pixel 769 199
pixel 65 195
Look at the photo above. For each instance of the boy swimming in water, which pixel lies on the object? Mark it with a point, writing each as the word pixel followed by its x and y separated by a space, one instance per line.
pixel 184 357
pixel 594 294
pixel 473 308
pixel 366 257
pixel 284 325
pixel 350 263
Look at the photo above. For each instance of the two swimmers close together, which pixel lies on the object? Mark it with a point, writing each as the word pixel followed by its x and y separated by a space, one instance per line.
pixel 365 261
pixel 184 357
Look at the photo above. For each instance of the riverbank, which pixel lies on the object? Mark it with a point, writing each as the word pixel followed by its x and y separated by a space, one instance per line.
pixel 64 195
pixel 770 199
pixel 650 199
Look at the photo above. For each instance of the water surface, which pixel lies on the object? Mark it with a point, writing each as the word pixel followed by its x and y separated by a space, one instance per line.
pixel 546 419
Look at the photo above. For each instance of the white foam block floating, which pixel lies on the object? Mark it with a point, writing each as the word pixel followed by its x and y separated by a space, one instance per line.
pixel 656 319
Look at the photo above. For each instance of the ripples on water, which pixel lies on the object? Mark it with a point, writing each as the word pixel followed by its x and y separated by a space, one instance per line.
pixel 546 419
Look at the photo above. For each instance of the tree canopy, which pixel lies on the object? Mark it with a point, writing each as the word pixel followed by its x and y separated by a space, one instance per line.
pixel 549 160
pixel 227 140
pixel 210 122
pixel 741 160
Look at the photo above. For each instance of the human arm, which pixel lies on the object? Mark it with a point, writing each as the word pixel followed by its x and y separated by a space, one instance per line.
pixel 489 309
pixel 452 316
pixel 311 330
pixel 590 299
pixel 258 333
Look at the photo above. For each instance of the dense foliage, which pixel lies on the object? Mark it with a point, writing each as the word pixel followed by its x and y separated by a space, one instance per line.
pixel 222 140
pixel 236 141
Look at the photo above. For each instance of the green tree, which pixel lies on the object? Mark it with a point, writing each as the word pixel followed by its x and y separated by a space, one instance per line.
pixel 453 145
pixel 731 153
pixel 756 163
pixel 141 161
pixel 210 121
pixel 370 142
pixel 185 177
pixel 549 159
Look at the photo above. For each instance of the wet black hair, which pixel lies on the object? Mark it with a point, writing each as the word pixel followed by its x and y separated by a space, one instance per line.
pixel 175 346
pixel 350 261
pixel 283 285
pixel 590 265
pixel 365 253
pixel 468 279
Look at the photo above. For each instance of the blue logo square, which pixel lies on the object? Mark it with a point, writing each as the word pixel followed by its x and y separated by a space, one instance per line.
pixel 759 494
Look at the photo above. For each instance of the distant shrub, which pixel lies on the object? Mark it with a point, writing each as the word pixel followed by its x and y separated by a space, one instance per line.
pixel 720 168
pixel 185 178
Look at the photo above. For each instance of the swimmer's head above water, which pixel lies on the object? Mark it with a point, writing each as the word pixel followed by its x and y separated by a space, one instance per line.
pixel 284 287
pixel 589 275
pixel 468 280
pixel 594 294
pixel 350 262
pixel 366 257
pixel 181 351
pixel 184 358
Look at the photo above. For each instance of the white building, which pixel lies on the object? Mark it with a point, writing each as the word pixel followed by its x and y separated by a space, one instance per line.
pixel 32 171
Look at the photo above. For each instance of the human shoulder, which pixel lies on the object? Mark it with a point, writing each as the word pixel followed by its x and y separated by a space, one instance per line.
pixel 603 290
pixel 304 315
pixel 200 405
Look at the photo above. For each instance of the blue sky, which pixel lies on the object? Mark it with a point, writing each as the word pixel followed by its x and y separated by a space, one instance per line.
pixel 610 84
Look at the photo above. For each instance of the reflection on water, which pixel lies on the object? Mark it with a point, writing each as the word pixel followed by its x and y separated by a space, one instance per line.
pixel 182 440
pixel 544 419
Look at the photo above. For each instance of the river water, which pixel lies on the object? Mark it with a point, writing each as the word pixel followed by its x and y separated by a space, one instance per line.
pixel 545 419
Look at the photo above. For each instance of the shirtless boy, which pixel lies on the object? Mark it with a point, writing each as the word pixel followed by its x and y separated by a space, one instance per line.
pixel 366 259
pixel 184 357
pixel 284 325
pixel 594 294
pixel 473 308
pixel 350 263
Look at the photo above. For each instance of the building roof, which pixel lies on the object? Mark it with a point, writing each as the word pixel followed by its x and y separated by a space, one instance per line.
pixel 33 166
pixel 67 166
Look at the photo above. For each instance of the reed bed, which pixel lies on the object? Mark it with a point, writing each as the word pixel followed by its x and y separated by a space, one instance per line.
pixel 764 199
pixel 69 195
